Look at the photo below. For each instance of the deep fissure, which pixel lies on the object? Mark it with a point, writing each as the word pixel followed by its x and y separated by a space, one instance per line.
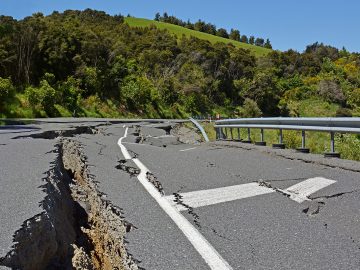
pixel 78 229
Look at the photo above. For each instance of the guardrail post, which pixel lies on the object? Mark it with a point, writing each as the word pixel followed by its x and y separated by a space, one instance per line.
pixel 239 137
pixel 231 134
pixel 226 133
pixel 261 142
pixel 332 152
pixel 279 145
pixel 248 140
pixel 303 149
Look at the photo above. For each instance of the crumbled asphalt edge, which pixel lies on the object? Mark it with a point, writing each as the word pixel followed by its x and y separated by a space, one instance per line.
pixel 78 228
pixel 193 133
pixel 140 138
pixel 132 171
pixel 155 182
pixel 275 152
pixel 53 134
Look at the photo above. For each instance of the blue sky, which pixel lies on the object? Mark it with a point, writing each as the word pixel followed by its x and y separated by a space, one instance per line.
pixel 288 23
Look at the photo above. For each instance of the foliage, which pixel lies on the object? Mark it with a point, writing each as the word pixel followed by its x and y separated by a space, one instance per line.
pixel 6 89
pixel 88 63
pixel 41 97
pixel 249 109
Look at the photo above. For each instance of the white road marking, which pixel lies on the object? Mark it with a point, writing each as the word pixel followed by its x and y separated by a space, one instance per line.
pixel 205 249
pixel 302 190
pixel 122 147
pixel 298 193
pixel 187 149
pixel 218 195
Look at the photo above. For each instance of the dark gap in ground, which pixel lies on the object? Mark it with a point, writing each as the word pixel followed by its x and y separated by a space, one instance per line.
pixel 78 229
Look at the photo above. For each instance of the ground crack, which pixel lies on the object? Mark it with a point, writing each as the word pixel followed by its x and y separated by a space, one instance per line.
pixel 78 228
pixel 190 210
pixel 268 185
pixel 53 134
pixel 155 182
pixel 333 195
pixel 133 171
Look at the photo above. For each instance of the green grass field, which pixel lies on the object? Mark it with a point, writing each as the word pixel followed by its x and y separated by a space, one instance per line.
pixel 179 31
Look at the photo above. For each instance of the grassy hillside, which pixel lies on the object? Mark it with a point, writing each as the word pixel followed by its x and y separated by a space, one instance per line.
pixel 179 31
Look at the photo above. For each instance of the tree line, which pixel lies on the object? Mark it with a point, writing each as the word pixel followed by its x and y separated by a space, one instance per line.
pixel 211 29
pixel 88 63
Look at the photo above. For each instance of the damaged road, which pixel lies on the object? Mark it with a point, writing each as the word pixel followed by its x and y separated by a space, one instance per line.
pixel 74 200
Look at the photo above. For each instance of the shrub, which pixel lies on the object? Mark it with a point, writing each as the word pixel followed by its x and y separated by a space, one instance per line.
pixel 6 89
pixel 250 109
pixel 331 91
pixel 343 112
pixel 42 96
pixel 137 92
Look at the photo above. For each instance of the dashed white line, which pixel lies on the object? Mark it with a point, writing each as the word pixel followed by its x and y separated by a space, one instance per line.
pixel 203 247
pixel 187 149
pixel 298 193
pixel 302 190
pixel 218 195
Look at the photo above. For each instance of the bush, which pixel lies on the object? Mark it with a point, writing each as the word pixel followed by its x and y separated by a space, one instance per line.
pixel 331 91
pixel 354 98
pixel 42 97
pixel 250 109
pixel 6 89
pixel 137 92
pixel 343 112
pixel 71 94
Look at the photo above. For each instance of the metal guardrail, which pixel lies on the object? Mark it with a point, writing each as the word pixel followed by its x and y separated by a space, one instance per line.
pixel 331 125
pixel 196 123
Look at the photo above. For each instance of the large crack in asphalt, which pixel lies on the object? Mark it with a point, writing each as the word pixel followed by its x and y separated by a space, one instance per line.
pixel 53 134
pixel 175 134
pixel 78 228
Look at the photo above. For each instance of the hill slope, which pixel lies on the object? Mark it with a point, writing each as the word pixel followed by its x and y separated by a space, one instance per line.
pixel 179 31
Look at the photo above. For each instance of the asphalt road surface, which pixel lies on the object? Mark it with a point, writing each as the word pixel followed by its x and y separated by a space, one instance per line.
pixel 192 205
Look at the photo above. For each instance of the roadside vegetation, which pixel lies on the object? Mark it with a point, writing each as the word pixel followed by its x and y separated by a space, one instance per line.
pixel 88 63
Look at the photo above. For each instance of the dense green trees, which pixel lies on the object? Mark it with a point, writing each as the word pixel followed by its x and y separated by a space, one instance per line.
pixel 79 63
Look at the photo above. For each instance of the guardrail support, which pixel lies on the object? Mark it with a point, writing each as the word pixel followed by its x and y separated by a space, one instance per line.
pixel 239 137
pixel 222 135
pixel 332 152
pixel 261 142
pixel 231 134
pixel 248 140
pixel 226 133
pixel 303 149
pixel 279 145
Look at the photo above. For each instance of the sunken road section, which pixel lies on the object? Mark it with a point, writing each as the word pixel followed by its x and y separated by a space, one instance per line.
pixel 78 229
